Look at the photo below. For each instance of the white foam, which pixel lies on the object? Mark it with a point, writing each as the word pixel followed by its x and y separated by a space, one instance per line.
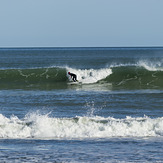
pixel 90 75
pixel 43 127
pixel 151 66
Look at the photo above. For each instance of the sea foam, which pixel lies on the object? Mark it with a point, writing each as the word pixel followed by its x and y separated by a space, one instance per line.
pixel 88 76
pixel 39 126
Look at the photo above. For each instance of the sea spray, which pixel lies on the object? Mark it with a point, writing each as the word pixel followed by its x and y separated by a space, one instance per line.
pixel 43 126
pixel 92 109
pixel 151 65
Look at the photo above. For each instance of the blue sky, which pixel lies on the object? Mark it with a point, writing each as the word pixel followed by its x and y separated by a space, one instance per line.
pixel 81 23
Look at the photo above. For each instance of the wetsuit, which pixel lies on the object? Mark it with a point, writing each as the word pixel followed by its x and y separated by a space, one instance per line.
pixel 73 76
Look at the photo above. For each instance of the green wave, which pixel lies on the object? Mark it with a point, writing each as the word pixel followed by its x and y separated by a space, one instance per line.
pixel 122 77
pixel 38 77
pixel 33 75
pixel 135 77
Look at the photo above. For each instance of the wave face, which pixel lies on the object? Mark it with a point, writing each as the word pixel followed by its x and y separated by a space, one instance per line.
pixel 135 77
pixel 142 75
pixel 37 77
pixel 46 127
pixel 34 75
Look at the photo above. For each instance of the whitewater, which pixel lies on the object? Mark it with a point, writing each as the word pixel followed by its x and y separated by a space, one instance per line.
pixel 46 127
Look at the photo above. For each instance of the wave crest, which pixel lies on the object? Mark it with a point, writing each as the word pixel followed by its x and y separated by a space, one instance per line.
pixel 43 127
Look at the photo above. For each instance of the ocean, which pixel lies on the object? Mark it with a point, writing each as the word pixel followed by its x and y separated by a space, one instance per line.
pixel 113 114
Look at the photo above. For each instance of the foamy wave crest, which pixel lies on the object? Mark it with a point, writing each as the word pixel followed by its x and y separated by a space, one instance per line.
pixel 151 66
pixel 45 127
pixel 90 75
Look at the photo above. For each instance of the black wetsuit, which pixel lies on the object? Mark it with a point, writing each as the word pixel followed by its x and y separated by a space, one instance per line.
pixel 73 76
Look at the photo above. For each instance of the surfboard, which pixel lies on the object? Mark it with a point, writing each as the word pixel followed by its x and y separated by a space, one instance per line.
pixel 75 83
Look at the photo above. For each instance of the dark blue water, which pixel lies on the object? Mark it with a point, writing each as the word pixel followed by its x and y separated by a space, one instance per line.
pixel 113 115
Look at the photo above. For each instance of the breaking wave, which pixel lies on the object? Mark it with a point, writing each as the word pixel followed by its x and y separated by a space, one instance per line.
pixel 46 127
pixel 126 76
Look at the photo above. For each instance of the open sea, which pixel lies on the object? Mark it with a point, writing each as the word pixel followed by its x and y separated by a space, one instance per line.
pixel 113 114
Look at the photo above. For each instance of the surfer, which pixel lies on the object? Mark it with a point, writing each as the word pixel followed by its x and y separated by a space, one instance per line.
pixel 73 76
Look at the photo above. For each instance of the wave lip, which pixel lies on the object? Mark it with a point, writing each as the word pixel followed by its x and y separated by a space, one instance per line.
pixel 151 66
pixel 45 127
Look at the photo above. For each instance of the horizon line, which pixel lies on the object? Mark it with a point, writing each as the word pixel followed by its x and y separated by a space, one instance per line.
pixel 77 47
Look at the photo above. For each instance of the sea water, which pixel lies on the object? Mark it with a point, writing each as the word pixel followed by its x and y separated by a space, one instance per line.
pixel 115 113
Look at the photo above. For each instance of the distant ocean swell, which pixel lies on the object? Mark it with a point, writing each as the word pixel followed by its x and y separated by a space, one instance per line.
pixel 45 127
pixel 130 76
